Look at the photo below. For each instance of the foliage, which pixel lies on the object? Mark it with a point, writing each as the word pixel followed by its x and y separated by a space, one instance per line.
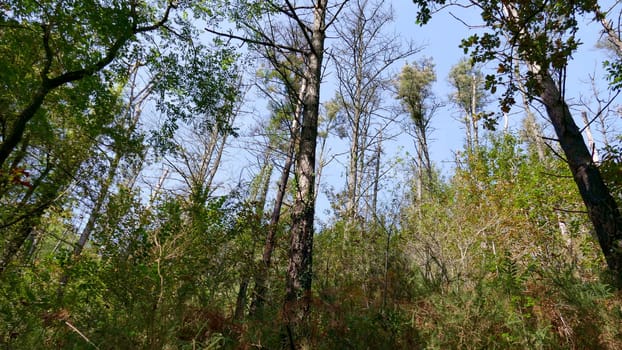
pixel 538 33
pixel 415 88
pixel 466 79
pixel 610 168
pixel 498 255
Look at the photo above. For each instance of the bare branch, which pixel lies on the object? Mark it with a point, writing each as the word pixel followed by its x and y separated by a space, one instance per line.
pixel 336 15
pixel 600 112
pixel 255 42
pixel 303 27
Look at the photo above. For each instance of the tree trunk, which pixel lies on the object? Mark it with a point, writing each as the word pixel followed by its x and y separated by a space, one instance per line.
pixel 357 146
pixel 259 294
pixel 353 173
pixel 240 302
pixel 590 138
pixel 374 205
pixel 299 271
pixel 601 207
pixel 468 135
pixel 532 131
pixel 99 202
pixel 474 121
pixel 14 136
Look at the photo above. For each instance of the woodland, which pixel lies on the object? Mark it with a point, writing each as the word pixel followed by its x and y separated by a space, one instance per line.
pixel 126 222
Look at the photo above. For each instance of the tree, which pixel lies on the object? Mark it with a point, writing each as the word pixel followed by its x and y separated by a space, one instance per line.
pixel 612 41
pixel 312 21
pixel 363 55
pixel 414 89
pixel 287 113
pixel 470 97
pixel 300 267
pixel 60 53
pixel 542 35
pixel 199 146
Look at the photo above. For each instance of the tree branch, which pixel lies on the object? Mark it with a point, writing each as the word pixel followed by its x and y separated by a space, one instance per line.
pixel 341 7
pixel 158 24
pixel 256 42
pixel 47 84
pixel 600 112
pixel 611 34
pixel 292 14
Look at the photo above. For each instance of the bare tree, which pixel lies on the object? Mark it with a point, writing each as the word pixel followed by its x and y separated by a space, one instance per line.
pixel 199 149
pixel 363 56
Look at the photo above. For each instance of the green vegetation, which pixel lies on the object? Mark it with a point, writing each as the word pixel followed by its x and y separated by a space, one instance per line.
pixel 118 120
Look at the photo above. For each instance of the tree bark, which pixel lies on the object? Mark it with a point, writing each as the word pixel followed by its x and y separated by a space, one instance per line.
pixel 590 138
pixel 601 207
pixel 473 118
pixel 299 271
pixel 240 302
pixel 374 202
pixel 19 127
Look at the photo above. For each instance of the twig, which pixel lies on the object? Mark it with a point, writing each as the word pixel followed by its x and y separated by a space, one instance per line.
pixel 556 153
pixel 556 175
pixel 570 211
pixel 73 328
pixel 253 41
pixel 600 112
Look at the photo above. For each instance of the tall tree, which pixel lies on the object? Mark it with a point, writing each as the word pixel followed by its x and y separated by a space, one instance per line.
pixel 414 89
pixel 286 113
pixel 543 36
pixel 470 96
pixel 300 267
pixel 312 20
